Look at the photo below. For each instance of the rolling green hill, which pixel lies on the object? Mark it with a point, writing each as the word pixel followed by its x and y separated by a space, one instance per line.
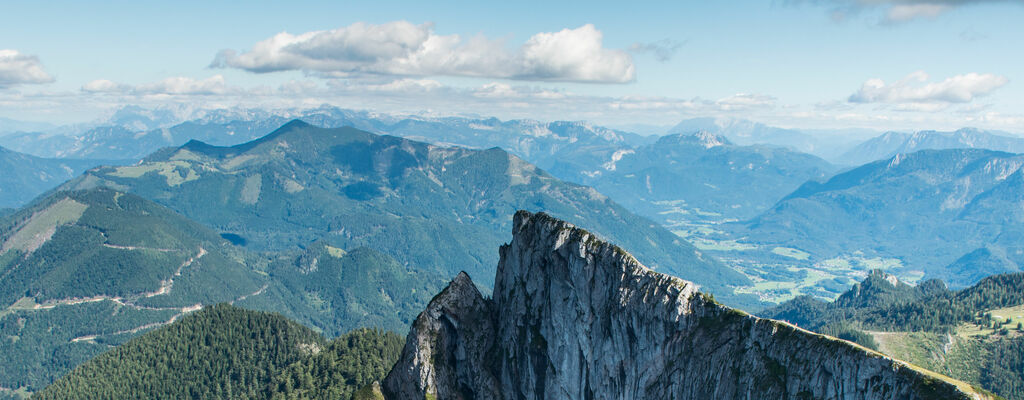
pixel 229 352
pixel 975 334
pixel 433 208
pixel 81 271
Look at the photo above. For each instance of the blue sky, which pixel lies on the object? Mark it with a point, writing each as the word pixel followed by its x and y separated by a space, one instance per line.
pixel 900 64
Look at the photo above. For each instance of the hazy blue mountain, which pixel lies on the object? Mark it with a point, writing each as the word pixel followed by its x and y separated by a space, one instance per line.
pixel 825 143
pixel 133 133
pixel 572 151
pixel 435 208
pixel 927 209
pixel 892 143
pixel 704 176
pixel 105 142
pixel 8 125
pixel 24 177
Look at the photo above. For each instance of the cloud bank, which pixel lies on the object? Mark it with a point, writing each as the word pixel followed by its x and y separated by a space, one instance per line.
pixel 915 89
pixel 214 85
pixel 21 69
pixel 403 49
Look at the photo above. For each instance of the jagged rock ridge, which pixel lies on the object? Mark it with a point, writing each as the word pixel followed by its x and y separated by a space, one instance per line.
pixel 573 317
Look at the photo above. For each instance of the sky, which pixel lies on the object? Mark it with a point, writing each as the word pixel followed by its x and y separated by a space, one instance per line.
pixel 831 64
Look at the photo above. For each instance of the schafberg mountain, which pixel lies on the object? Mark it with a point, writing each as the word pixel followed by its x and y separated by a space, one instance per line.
pixel 936 211
pixel 434 208
pixel 704 176
pixel 574 317
pixel 892 143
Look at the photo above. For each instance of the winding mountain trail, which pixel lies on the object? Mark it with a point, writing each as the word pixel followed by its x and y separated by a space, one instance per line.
pixel 166 285
pixel 130 301
pixel 165 288
pixel 246 296
pixel 184 310
pixel 117 246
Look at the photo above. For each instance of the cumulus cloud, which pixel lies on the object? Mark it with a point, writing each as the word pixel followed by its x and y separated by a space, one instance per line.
pixel 915 89
pixel 663 50
pixel 897 11
pixel 403 49
pixel 20 69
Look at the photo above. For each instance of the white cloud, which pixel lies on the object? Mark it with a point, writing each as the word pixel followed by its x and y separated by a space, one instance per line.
pixel 179 85
pixel 184 85
pixel 104 86
pixel 663 50
pixel 907 12
pixel 914 89
pixel 408 85
pixel 498 90
pixel 403 49
pixel 745 101
pixel 898 11
pixel 19 69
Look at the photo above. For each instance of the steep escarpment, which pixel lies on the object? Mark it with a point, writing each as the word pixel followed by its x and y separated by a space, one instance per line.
pixel 574 317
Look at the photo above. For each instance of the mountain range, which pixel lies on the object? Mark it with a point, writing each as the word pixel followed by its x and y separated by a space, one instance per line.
pixel 890 144
pixel 339 229
pixel 571 317
pixel 927 209
pixel 8 125
pixel 824 143
pixel 703 176
pixel 352 188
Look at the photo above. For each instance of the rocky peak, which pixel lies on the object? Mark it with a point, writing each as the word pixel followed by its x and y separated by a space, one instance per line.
pixel 574 317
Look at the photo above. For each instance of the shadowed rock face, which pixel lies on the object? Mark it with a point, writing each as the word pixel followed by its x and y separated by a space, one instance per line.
pixel 574 317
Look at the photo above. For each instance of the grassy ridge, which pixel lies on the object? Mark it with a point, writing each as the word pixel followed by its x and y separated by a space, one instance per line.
pixel 966 334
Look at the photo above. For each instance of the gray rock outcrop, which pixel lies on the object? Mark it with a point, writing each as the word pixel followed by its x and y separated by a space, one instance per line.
pixel 573 317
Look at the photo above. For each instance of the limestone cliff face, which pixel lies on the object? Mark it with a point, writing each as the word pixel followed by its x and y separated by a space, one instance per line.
pixel 574 317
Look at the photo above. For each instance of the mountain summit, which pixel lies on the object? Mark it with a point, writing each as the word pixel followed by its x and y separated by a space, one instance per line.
pixel 573 317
